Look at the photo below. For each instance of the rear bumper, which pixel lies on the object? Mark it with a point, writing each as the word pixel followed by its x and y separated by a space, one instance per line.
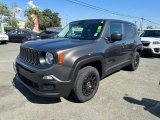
pixel 41 86
pixel 3 40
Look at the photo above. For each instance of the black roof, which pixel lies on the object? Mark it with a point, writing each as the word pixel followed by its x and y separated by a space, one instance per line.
pixel 109 20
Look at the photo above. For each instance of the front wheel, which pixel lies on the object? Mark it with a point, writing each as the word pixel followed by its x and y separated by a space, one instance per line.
pixel 86 84
pixel 134 62
pixel 24 40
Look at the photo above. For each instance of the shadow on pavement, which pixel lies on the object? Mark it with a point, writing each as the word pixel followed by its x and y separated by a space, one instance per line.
pixel 150 105
pixel 34 98
pixel 3 43
pixel 150 56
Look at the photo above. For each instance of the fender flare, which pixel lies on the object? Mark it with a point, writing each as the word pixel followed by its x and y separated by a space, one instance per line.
pixel 139 47
pixel 85 60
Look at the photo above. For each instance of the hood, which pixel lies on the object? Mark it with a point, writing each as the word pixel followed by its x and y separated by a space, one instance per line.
pixel 150 39
pixel 55 44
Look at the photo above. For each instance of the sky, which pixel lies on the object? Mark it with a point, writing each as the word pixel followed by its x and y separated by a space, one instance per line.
pixel 149 9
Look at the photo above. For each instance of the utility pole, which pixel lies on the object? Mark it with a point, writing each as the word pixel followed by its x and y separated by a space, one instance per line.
pixel 66 19
pixel 135 22
pixel 142 19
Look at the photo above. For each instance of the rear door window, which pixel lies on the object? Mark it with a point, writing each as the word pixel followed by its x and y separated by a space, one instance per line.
pixel 116 28
pixel 130 31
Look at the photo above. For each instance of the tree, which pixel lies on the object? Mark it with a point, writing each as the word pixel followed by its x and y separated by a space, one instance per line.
pixel 46 18
pixel 13 22
pixel 12 18
pixel 53 19
pixel 29 24
pixel 7 15
pixel 28 12
pixel 4 11
pixel 37 12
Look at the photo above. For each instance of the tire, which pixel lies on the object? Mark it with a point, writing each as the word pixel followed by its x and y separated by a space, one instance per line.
pixel 86 84
pixel 24 40
pixel 3 42
pixel 135 62
pixel 158 56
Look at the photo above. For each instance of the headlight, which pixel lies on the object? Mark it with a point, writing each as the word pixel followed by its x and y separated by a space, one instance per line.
pixel 156 42
pixel 49 58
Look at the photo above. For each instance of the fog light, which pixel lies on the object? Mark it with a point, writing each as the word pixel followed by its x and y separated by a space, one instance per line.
pixel 47 77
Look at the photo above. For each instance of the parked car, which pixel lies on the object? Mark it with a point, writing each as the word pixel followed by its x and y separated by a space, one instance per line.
pixel 151 41
pixel 73 64
pixel 3 37
pixel 48 34
pixel 22 35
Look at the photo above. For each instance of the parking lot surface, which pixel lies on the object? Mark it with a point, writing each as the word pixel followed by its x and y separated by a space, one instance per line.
pixel 121 96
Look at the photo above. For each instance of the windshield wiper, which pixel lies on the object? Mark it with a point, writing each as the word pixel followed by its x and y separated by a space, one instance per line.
pixel 71 37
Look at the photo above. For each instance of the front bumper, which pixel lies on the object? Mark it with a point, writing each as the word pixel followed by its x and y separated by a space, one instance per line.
pixel 3 40
pixel 150 50
pixel 36 83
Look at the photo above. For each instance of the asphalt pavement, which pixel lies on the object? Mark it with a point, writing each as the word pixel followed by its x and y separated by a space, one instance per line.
pixel 123 95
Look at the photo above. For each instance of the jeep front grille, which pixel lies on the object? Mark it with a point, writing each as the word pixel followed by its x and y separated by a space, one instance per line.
pixel 29 55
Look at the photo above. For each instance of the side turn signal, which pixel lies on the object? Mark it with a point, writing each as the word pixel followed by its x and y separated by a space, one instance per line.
pixel 61 58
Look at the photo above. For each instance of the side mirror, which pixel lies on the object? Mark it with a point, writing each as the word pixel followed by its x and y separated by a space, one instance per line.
pixel 116 37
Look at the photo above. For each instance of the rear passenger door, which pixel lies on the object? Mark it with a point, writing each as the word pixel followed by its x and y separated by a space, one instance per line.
pixel 130 37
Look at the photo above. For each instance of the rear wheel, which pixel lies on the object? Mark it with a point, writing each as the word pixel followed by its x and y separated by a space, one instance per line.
pixel 86 84
pixel 3 42
pixel 135 62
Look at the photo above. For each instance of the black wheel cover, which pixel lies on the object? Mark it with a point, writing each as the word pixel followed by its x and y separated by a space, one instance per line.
pixel 89 84
pixel 136 60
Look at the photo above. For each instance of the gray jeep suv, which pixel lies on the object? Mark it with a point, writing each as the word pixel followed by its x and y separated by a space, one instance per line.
pixel 84 52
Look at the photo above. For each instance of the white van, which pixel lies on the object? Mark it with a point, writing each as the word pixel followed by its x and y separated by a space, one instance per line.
pixel 151 41
pixel 3 37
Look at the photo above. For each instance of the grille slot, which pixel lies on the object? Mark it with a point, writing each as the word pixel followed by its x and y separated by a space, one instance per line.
pixel 157 50
pixel 29 82
pixel 29 55
pixel 145 43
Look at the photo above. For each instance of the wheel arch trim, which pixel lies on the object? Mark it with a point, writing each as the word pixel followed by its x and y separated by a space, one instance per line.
pixel 86 60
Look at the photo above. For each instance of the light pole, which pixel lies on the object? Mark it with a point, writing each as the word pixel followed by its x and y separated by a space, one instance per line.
pixel 66 19
pixel 141 25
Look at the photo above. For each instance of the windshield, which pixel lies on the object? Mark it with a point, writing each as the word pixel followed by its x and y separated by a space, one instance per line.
pixel 151 33
pixel 86 29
